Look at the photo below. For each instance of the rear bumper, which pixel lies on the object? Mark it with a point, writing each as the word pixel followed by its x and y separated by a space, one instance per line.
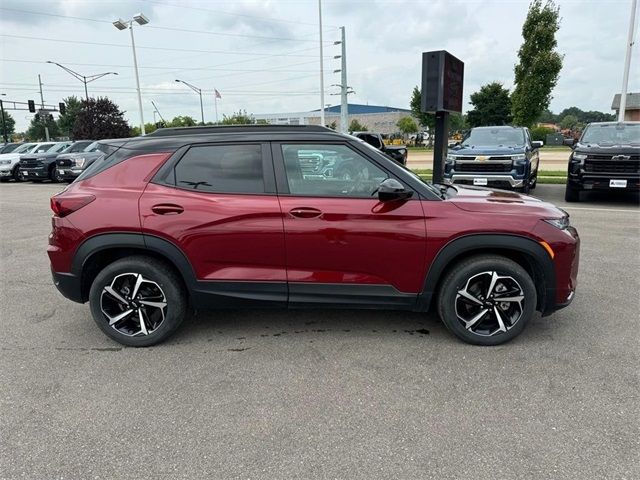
pixel 68 285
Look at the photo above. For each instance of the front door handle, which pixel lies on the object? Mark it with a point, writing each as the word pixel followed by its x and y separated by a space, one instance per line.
pixel 305 212
pixel 167 209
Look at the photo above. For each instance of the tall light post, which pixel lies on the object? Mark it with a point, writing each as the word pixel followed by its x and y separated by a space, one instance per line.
pixel 4 124
pixel 120 24
pixel 199 92
pixel 83 78
pixel 321 64
pixel 627 63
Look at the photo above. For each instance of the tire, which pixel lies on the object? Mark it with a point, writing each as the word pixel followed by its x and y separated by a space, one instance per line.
pixel 502 321
pixel 571 194
pixel 534 182
pixel 53 174
pixel 16 174
pixel 57 176
pixel 109 300
pixel 346 172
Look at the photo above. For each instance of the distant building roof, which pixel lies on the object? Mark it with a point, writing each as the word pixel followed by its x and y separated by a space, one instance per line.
pixel 359 109
pixel 633 101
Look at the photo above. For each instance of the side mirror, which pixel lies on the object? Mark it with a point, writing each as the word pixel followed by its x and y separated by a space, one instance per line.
pixel 391 189
pixel 453 145
pixel 569 142
pixel 537 144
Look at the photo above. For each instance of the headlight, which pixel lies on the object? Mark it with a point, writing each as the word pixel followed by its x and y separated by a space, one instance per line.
pixel 80 162
pixel 451 158
pixel 561 223
pixel 579 157
pixel 522 156
pixel 5 162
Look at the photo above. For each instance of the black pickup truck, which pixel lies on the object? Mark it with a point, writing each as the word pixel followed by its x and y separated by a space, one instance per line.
pixel 398 153
pixel 606 157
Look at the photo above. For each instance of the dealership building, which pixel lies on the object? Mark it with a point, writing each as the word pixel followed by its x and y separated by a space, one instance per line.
pixel 376 118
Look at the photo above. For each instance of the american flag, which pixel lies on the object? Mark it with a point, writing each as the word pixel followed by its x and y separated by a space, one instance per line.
pixel 217 93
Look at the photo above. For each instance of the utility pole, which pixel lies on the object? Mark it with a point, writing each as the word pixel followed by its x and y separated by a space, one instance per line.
pixel 44 114
pixel 344 105
pixel 321 65
pixel 135 67
pixel 627 63
pixel 156 111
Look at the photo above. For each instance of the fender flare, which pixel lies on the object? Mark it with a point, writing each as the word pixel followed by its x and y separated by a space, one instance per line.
pixel 483 242
pixel 158 245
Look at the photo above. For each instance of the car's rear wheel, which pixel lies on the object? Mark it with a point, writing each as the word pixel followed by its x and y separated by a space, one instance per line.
pixel 571 194
pixel 487 299
pixel 138 301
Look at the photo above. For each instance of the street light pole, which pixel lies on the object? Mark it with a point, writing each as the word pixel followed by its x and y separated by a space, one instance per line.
pixel 4 124
pixel 321 65
pixel 199 92
pixel 627 63
pixel 120 24
pixel 83 78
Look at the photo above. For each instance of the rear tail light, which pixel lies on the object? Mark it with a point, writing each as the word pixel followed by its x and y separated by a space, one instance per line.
pixel 64 204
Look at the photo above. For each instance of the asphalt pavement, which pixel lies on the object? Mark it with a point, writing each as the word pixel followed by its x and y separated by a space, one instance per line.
pixel 321 393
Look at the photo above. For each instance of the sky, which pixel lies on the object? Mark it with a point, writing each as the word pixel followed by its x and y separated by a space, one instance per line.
pixel 263 56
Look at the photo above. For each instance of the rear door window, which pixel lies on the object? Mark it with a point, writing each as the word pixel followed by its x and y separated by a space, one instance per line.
pixel 222 169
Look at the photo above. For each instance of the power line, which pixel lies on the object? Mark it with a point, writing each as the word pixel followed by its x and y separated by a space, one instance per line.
pixel 120 45
pixel 160 27
pixel 220 12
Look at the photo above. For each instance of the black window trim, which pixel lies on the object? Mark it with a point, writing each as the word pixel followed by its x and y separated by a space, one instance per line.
pixel 166 174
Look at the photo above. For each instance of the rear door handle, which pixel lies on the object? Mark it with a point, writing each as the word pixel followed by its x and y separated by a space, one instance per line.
pixel 305 212
pixel 167 209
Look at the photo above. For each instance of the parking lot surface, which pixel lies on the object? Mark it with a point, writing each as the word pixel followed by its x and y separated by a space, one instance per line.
pixel 321 393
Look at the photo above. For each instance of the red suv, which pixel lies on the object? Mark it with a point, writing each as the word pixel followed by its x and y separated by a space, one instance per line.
pixel 214 217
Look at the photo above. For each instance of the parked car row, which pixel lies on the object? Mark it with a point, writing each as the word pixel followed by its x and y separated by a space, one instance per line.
pixel 53 161
pixel 606 157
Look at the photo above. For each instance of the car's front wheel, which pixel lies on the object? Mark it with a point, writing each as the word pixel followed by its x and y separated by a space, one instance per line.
pixel 138 301
pixel 486 299
pixel 571 194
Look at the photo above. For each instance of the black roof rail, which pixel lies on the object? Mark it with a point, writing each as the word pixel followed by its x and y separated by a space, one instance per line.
pixel 173 131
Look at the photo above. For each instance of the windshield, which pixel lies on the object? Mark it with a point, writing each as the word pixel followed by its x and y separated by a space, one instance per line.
pixel 92 147
pixel 43 148
pixel 8 148
pixel 76 147
pixel 494 137
pixel 612 134
pixel 58 147
pixel 24 148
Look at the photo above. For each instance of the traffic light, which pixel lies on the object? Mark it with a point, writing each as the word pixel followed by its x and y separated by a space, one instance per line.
pixel 32 106
pixel 63 108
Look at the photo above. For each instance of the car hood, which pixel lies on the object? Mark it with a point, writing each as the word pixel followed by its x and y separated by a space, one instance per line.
pixel 487 150
pixel 595 149
pixel 38 156
pixel 487 200
pixel 11 156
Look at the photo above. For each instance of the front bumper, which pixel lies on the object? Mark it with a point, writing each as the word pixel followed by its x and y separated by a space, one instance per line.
pixel 34 172
pixel 603 182
pixel 69 173
pixel 479 179
pixel 5 173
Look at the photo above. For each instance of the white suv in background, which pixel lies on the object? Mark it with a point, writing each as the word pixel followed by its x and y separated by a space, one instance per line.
pixel 9 161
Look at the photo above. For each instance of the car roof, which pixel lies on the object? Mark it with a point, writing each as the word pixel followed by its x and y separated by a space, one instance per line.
pixel 176 137
pixel 614 123
pixel 497 127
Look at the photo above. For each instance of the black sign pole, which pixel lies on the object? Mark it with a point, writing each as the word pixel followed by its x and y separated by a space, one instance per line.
pixel 440 145
pixel 4 124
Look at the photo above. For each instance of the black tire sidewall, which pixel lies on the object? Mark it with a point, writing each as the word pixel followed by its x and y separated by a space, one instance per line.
pixel 457 278
pixel 151 269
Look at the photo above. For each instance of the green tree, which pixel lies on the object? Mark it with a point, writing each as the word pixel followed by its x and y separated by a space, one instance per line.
pixel 182 121
pixel 238 118
pixel 547 116
pixel 457 122
pixel 537 71
pixel 148 128
pixel 569 121
pixel 427 120
pixel 492 106
pixel 68 119
pixel 99 118
pixel 356 126
pixel 540 133
pixel 407 125
pixel 333 125
pixel 10 125
pixel 36 130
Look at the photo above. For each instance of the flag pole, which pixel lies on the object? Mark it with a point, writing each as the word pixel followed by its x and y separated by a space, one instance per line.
pixel 215 102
